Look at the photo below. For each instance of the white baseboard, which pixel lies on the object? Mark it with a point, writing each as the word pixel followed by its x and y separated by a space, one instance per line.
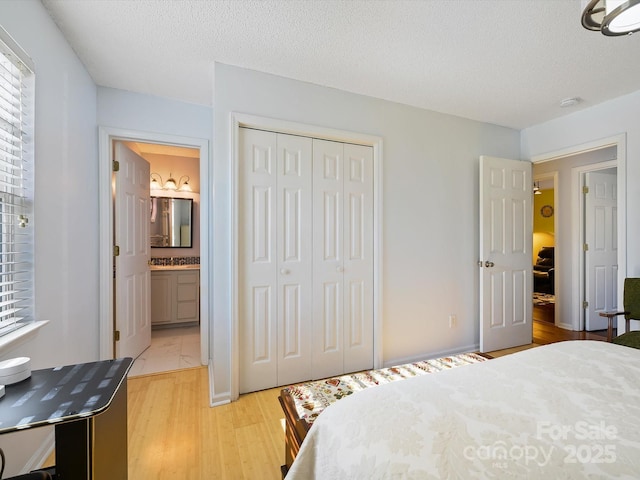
pixel 219 399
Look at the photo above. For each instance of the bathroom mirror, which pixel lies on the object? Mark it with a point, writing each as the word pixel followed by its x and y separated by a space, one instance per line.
pixel 171 222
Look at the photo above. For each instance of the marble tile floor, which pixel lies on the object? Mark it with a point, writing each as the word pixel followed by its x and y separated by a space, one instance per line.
pixel 171 349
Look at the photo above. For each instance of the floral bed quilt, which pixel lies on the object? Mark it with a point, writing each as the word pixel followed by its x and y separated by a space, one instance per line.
pixel 312 398
pixel 568 410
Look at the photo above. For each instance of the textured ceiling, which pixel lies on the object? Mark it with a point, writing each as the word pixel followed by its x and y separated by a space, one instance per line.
pixel 507 62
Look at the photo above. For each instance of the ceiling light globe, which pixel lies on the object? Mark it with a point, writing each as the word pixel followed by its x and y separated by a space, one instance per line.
pixel 170 184
pixel 623 19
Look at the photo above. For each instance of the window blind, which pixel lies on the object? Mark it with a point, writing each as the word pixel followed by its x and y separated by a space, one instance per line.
pixel 16 185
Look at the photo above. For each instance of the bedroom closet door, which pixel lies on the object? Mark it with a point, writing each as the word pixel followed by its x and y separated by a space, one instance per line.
pixel 342 258
pixel 274 260
pixel 305 259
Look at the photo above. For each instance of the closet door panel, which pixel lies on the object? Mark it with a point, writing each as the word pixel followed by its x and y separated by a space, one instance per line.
pixel 328 257
pixel 305 259
pixel 257 261
pixel 293 225
pixel 358 261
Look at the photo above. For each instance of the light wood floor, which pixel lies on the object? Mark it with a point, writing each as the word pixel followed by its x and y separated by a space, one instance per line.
pixel 174 434
pixel 545 332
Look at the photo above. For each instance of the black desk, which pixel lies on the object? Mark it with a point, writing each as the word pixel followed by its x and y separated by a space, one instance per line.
pixel 87 403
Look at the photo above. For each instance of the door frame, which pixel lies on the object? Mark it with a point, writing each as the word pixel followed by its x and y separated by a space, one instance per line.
pixel 578 178
pixel 557 213
pixel 239 120
pixel 620 142
pixel 106 136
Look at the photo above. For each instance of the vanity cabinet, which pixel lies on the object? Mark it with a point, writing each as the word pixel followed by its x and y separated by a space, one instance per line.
pixel 175 296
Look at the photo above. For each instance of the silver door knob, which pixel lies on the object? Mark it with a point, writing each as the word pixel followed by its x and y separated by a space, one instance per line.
pixel 489 264
pixel 285 271
pixel 340 269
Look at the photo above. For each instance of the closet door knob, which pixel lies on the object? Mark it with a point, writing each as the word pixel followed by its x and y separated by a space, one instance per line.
pixel 285 271
pixel 340 269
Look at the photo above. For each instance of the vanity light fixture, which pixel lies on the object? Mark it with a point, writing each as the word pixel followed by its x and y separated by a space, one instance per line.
pixel 170 184
pixel 611 17
pixel 184 186
pixel 155 183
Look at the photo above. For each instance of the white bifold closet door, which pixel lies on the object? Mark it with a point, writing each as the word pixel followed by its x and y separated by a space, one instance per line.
pixel 305 259
pixel 275 259
pixel 342 258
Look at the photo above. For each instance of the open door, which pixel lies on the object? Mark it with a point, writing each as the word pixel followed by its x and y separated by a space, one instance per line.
pixel 506 278
pixel 132 273
pixel 600 250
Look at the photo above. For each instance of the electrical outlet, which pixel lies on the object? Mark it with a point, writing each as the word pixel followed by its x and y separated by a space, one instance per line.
pixel 452 320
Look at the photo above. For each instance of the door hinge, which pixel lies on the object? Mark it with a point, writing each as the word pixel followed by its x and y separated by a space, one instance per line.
pixel 116 335
pixel 585 304
pixel 585 189
pixel 116 166
pixel 585 247
pixel 116 251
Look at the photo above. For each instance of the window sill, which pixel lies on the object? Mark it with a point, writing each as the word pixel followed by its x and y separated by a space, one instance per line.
pixel 14 337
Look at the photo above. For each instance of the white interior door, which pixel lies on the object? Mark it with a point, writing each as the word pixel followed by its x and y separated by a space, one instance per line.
pixel 132 273
pixel 257 261
pixel 601 255
pixel 275 259
pixel 328 258
pixel 293 224
pixel 306 259
pixel 358 258
pixel 505 253
pixel 342 258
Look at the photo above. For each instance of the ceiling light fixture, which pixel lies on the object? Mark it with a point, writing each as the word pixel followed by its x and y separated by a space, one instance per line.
pixel 536 188
pixel 611 17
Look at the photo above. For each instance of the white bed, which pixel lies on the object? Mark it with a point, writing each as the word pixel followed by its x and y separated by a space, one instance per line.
pixel 566 410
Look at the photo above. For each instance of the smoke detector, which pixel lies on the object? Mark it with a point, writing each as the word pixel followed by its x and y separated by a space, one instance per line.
pixel 569 102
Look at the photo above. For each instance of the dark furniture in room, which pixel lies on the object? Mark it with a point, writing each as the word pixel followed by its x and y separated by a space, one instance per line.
pixel 87 403
pixel 544 271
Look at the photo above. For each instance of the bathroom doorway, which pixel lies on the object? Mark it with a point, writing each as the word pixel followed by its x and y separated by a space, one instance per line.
pixel 158 148
pixel 174 241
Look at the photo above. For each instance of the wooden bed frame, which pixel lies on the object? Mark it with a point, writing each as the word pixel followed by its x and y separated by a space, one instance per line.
pixel 295 431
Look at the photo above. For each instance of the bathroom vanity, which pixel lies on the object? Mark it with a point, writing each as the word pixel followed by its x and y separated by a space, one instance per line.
pixel 175 294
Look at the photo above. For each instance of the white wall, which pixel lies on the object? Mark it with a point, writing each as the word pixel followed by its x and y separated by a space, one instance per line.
pixel 147 113
pixel 600 121
pixel 430 190
pixel 66 205
pixel 156 115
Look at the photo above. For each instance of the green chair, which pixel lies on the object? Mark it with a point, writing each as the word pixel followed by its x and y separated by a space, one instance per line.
pixel 631 311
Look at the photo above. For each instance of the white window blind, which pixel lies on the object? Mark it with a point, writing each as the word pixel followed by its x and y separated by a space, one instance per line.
pixel 16 185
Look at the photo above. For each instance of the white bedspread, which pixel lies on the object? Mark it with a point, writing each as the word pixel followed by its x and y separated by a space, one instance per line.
pixel 566 410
